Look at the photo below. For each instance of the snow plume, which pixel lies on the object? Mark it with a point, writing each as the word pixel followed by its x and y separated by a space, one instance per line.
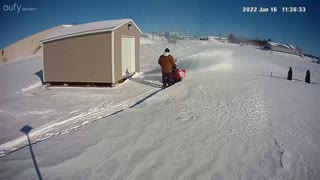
pixel 208 60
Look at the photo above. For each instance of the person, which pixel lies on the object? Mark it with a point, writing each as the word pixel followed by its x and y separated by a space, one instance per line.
pixel 166 62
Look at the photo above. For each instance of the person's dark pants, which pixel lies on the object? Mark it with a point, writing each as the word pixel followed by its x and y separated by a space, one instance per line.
pixel 166 79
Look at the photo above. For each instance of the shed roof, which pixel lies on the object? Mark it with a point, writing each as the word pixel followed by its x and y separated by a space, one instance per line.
pixel 88 28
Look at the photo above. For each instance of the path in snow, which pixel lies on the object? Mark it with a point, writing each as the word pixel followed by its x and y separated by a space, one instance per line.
pixel 216 123
pixel 55 111
pixel 208 123
pixel 237 128
pixel 92 112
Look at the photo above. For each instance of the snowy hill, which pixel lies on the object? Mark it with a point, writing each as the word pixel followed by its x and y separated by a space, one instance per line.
pixel 27 47
pixel 228 119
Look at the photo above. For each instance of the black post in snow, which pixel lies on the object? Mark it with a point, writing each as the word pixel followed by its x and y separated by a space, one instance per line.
pixel 307 79
pixel 290 74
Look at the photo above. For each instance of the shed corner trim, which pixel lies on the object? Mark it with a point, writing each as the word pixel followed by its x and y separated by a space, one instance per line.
pixel 112 57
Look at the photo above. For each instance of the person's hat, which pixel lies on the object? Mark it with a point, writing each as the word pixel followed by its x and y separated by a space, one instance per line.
pixel 166 50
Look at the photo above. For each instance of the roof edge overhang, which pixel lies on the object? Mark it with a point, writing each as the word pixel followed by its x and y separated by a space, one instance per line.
pixel 90 32
pixel 76 34
pixel 128 20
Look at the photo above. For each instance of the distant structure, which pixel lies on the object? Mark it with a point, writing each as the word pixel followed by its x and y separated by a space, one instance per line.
pixel 104 52
pixel 233 39
pixel 204 38
pixel 221 39
pixel 153 36
pixel 273 46
pixel 171 37
pixel 187 37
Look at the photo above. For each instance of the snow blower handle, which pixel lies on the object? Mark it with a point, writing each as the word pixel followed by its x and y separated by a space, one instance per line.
pixel 174 67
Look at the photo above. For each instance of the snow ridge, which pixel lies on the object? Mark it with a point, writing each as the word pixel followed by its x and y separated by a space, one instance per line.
pixel 61 127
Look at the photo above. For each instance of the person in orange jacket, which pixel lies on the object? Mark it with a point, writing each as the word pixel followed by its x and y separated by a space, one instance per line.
pixel 166 62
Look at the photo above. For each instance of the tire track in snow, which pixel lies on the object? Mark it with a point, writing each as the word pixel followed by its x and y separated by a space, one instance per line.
pixel 58 127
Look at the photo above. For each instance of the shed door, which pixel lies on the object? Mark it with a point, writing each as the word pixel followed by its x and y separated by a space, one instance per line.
pixel 128 55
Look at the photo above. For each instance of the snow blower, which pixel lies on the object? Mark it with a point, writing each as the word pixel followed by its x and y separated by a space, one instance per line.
pixel 177 74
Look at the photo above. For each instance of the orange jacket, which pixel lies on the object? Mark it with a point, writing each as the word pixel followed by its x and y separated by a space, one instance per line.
pixel 166 63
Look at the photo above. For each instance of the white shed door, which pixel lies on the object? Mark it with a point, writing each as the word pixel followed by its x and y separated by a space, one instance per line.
pixel 128 55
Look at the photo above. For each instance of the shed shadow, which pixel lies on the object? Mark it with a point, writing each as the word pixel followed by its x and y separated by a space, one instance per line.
pixel 40 75
pixel 145 82
pixel 145 98
pixel 154 71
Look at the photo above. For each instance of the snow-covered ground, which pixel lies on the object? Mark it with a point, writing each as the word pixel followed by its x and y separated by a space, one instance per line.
pixel 228 119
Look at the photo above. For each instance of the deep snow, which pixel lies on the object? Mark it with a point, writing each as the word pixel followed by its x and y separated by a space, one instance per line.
pixel 228 119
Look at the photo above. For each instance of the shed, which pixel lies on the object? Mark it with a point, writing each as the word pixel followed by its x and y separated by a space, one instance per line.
pixel 99 52
pixel 273 46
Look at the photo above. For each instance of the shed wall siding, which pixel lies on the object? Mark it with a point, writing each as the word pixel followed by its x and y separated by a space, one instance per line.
pixel 84 58
pixel 123 31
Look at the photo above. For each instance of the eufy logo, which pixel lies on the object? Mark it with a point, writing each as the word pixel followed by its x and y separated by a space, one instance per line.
pixel 15 7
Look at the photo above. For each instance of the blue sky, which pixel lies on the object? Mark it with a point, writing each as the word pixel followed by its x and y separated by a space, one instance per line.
pixel 202 17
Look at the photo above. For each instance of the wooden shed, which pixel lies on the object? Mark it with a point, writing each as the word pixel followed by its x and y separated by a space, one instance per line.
pixel 99 52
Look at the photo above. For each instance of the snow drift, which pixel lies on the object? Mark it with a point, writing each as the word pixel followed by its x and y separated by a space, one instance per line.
pixel 228 119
